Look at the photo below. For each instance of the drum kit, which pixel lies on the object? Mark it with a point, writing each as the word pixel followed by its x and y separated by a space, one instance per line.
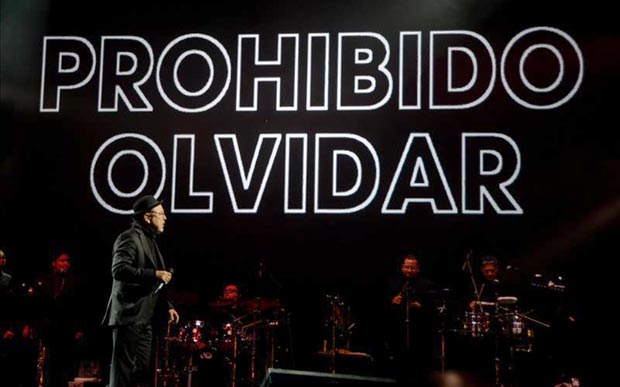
pixel 501 318
pixel 497 319
pixel 238 342
pixel 505 332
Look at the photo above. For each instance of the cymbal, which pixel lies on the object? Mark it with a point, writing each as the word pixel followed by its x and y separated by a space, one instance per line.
pixel 507 300
pixel 221 303
pixel 484 303
pixel 259 303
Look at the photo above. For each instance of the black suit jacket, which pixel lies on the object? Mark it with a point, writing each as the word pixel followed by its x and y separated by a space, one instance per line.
pixel 134 262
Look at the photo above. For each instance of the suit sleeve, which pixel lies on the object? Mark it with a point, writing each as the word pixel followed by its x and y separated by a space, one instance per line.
pixel 124 265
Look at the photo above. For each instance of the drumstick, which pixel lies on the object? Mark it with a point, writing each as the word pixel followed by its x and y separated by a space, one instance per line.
pixel 481 290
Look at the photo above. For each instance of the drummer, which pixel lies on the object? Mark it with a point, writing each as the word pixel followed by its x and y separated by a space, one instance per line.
pixel 229 302
pixel 232 303
pixel 230 294
pixel 490 288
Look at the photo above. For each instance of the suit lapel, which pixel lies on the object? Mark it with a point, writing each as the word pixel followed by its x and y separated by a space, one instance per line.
pixel 160 258
pixel 148 251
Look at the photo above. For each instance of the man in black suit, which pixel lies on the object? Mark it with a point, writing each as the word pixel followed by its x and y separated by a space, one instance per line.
pixel 138 271
pixel 412 322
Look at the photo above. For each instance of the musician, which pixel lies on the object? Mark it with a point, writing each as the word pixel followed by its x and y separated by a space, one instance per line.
pixel 230 294
pixel 6 290
pixel 136 299
pixel 487 344
pixel 8 331
pixel 223 312
pixel 5 282
pixel 491 287
pixel 412 318
pixel 60 280
pixel 411 284
pixel 62 328
pixel 5 278
pixel 228 305
pixel 18 350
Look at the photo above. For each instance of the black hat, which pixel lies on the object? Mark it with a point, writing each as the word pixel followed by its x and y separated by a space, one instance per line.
pixel 144 204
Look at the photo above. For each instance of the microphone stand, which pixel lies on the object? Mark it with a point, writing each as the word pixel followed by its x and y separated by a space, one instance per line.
pixel 263 271
pixel 497 361
pixel 442 332
pixel 467 264
pixel 496 358
pixel 332 360
pixel 407 315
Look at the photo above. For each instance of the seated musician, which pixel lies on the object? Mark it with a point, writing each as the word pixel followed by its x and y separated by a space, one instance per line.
pixel 491 287
pixel 227 306
pixel 229 300
pixel 231 294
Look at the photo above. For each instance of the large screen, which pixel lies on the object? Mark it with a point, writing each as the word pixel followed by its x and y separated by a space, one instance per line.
pixel 309 146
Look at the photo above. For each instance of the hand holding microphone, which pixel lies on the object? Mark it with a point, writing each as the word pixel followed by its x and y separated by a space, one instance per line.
pixel 163 276
pixel 398 299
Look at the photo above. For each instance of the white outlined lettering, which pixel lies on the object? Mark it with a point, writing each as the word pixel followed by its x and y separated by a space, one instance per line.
pixel 379 98
pixel 247 179
pixel 190 192
pixel 482 65
pixel 397 181
pixel 324 137
pixel 405 100
pixel 574 59
pixel 303 176
pixel 171 79
pixel 64 78
pixel 142 159
pixel 313 72
pixel 495 180
pixel 286 86
pixel 110 82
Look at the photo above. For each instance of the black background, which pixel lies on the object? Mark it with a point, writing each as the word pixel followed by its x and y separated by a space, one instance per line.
pixel 568 186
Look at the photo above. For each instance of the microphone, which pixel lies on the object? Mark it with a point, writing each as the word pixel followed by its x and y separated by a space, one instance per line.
pixel 161 284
